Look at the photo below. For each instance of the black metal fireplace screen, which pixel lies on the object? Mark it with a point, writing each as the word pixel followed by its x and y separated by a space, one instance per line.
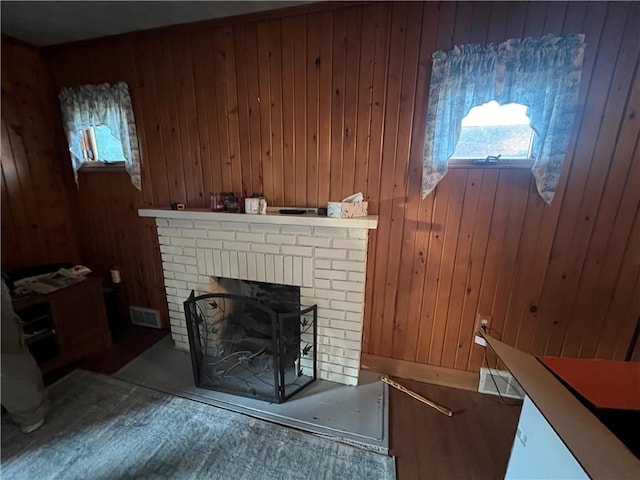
pixel 242 346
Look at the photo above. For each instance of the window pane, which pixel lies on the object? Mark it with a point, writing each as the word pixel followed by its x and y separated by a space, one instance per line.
pixel 109 147
pixel 492 129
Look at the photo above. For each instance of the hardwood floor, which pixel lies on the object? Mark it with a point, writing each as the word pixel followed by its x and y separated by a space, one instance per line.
pixel 129 341
pixel 475 443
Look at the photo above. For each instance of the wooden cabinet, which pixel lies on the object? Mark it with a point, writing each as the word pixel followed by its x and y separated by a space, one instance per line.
pixel 65 325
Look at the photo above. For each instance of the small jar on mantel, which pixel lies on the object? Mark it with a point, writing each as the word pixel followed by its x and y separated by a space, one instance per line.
pixel 217 202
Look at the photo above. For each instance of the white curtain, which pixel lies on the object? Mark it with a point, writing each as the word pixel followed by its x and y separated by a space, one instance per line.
pixel 89 106
pixel 542 73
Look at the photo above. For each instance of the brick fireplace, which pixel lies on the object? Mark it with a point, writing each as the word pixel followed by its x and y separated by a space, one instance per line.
pixel 325 257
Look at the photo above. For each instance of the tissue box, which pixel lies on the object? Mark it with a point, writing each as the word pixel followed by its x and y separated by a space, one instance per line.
pixel 347 209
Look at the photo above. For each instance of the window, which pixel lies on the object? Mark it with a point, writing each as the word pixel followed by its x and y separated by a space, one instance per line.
pixel 494 131
pixel 99 144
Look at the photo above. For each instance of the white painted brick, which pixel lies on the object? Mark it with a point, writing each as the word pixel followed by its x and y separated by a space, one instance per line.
pixel 190 252
pixel 235 226
pixel 331 350
pixel 348 286
pixel 179 222
pixel 355 336
pixel 353 372
pixel 355 297
pixel 207 225
pixel 177 300
pixel 314 241
pixel 170 250
pixel 187 277
pixel 351 326
pixel 219 235
pixel 296 229
pixel 216 261
pixel 233 264
pixel 164 240
pixel 265 248
pixel 357 256
pixel 170 291
pixel 349 244
pixel 183 242
pixel 184 294
pixel 260 267
pixel 201 266
pixel 307 292
pixel 356 277
pixel 346 306
pixel 198 287
pixel 327 367
pixel 179 330
pixel 322 263
pixel 168 232
pixel 205 279
pixel 166 257
pixel 331 253
pixel 343 379
pixel 330 231
pixel 330 332
pixel 226 265
pixel 239 246
pixel 288 270
pixel 269 269
pixel 264 228
pixel 307 272
pixel 360 233
pixel 281 239
pixel 335 314
pixel 342 343
pixel 184 260
pixel 250 237
pixel 193 233
pixel 162 222
pixel 242 265
pixel 331 274
pixel 322 283
pixel 252 266
pixel 348 266
pixel 296 250
pixel 169 274
pixel 350 363
pixel 173 306
pixel 172 267
pixel 354 354
pixel 354 317
pixel 175 284
pixel 331 294
pixel 179 315
pixel 321 302
pixel 208 244
pixel 278 266
pixel 297 270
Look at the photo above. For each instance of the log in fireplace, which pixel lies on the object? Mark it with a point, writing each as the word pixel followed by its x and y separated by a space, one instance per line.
pixel 252 339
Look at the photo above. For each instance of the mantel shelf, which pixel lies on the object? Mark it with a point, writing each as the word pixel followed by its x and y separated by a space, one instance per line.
pixel 369 222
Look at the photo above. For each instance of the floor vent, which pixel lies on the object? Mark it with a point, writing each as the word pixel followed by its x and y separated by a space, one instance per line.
pixel 507 386
pixel 145 317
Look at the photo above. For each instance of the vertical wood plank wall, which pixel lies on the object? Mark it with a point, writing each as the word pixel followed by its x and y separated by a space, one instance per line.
pixel 36 221
pixel 313 106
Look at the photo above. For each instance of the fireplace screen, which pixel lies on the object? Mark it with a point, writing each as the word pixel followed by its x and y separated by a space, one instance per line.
pixel 254 339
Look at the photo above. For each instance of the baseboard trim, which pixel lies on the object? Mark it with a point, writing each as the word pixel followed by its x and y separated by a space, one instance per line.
pixel 446 377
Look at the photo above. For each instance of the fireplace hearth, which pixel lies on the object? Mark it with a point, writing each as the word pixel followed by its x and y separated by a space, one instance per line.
pixel 252 339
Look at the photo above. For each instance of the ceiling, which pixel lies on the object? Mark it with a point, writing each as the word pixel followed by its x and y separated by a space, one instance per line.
pixel 43 23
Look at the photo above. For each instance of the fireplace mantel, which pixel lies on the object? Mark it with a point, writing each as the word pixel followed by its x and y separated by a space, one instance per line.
pixel 273 217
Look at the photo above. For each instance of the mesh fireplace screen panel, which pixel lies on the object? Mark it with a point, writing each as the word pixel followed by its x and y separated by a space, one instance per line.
pixel 252 343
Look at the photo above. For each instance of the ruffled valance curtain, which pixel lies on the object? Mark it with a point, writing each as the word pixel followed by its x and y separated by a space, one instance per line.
pixel 541 73
pixel 89 106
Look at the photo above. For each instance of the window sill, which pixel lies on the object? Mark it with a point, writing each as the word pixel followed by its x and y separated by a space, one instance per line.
pixel 98 167
pixel 502 164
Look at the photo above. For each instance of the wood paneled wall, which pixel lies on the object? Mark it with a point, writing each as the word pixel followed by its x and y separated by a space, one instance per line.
pixel 313 106
pixel 36 222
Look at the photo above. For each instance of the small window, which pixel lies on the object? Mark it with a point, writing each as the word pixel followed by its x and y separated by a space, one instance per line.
pixel 493 132
pixel 99 145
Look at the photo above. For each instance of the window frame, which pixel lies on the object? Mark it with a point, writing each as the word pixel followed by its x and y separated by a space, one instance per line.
pixel 90 145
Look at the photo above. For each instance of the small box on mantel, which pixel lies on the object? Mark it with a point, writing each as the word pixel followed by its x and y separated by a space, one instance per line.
pixel 347 209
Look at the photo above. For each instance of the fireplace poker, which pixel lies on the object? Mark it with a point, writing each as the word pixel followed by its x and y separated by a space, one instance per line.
pixel 440 408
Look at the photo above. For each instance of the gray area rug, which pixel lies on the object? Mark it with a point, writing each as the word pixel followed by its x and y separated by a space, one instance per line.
pixel 103 428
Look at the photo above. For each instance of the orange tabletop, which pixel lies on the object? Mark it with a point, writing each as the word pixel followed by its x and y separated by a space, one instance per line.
pixel 604 383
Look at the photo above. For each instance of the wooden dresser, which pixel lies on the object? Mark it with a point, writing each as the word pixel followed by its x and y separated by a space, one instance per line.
pixel 65 325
